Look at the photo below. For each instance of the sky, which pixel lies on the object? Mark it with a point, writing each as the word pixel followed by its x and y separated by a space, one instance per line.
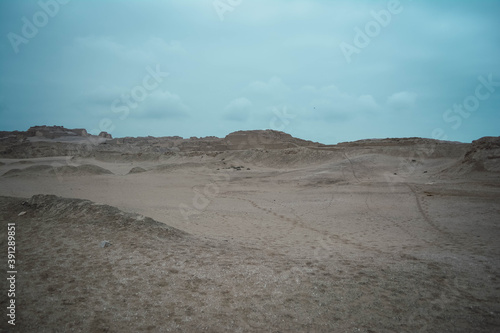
pixel 326 71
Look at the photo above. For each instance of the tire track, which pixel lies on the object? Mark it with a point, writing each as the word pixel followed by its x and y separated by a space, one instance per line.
pixel 396 224
pixel 298 222
pixel 352 166
pixel 429 221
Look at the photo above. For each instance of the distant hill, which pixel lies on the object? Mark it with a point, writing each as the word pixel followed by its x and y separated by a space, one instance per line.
pixel 46 141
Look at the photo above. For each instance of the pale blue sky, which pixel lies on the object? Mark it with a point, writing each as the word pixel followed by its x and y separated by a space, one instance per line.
pixel 327 71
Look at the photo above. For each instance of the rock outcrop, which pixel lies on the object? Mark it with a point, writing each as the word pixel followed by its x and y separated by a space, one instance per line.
pixel 483 155
pixel 52 132
pixel 105 135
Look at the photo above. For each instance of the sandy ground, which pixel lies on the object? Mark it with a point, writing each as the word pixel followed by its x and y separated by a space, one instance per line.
pixel 352 243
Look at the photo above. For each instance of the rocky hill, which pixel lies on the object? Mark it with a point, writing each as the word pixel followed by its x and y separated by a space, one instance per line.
pixel 47 141
pixel 43 141
pixel 482 155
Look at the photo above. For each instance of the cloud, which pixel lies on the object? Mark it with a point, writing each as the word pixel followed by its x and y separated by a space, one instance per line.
pixel 402 101
pixel 367 102
pixel 98 102
pixel 330 103
pixel 99 44
pixel 260 53
pixel 161 105
pixel 102 95
pixel 238 109
pixel 153 49
pixel 273 89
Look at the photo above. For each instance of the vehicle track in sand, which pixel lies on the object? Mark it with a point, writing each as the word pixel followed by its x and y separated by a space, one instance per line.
pixel 432 227
pixel 352 166
pixel 426 217
pixel 297 222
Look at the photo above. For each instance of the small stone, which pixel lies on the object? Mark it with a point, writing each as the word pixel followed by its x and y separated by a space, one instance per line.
pixel 105 244
pixel 21 213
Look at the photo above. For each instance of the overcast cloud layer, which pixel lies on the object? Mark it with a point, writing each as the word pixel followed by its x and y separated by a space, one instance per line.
pixel 327 71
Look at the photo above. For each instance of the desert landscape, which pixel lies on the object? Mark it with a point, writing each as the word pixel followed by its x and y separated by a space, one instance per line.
pixel 254 232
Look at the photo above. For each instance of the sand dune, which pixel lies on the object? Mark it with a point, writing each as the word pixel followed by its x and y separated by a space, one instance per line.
pixel 284 235
pixel 137 170
pixel 40 170
pixel 34 170
pixel 85 169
